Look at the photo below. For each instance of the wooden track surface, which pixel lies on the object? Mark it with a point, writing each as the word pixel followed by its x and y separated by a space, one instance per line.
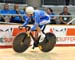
pixel 58 53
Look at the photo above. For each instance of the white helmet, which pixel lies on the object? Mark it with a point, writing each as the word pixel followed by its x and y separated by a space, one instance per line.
pixel 29 10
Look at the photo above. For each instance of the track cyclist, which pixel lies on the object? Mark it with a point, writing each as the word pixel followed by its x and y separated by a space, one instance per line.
pixel 41 18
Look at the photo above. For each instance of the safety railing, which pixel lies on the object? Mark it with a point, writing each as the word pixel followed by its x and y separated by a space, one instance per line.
pixel 72 17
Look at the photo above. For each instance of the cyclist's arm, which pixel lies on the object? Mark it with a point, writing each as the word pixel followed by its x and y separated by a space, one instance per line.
pixel 26 21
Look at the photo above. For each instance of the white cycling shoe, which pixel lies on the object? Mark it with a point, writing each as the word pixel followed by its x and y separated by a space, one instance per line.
pixel 42 38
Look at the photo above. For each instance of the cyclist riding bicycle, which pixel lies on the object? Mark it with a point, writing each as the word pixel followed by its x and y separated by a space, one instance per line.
pixel 41 18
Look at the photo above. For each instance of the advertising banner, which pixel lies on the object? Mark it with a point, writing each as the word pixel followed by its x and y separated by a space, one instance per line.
pixel 65 34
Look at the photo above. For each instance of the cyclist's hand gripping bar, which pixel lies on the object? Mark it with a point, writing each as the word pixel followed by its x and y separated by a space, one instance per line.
pixel 26 27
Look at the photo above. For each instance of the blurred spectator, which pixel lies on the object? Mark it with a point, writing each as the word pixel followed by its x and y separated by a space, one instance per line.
pixel 52 15
pixel 23 11
pixel 5 13
pixel 67 2
pixel 65 19
pixel 14 12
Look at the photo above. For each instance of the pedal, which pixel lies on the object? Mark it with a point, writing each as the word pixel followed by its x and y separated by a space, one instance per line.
pixel 35 44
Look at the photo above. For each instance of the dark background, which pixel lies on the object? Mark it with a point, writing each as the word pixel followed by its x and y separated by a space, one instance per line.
pixel 13 1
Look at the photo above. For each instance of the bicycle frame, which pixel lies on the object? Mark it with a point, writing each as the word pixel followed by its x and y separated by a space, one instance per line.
pixel 33 37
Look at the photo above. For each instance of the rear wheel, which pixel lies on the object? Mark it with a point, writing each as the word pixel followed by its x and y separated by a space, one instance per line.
pixel 21 42
pixel 48 43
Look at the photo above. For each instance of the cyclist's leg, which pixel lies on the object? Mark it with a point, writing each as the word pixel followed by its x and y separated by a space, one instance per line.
pixel 36 37
pixel 37 34
pixel 41 34
pixel 38 29
pixel 43 22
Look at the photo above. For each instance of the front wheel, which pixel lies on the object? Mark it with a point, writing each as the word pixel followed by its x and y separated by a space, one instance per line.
pixel 21 42
pixel 48 43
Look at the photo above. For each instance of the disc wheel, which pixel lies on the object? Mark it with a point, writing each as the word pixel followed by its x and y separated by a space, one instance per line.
pixel 21 42
pixel 48 43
